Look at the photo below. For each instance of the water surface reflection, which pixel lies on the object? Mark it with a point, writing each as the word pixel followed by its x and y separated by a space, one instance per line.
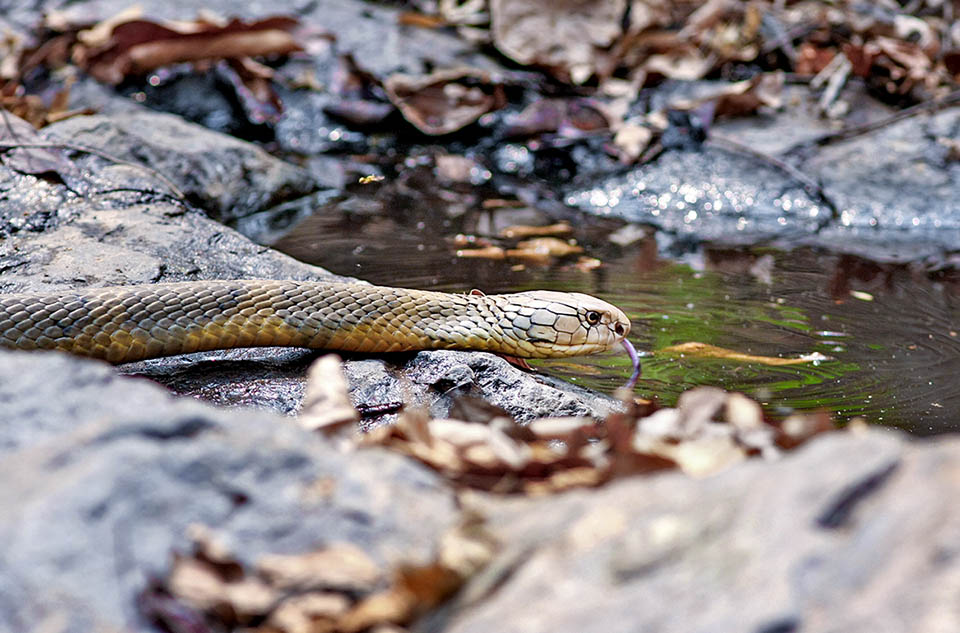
pixel 891 333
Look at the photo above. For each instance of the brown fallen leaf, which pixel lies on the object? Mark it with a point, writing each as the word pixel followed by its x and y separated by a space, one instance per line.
pixel 565 36
pixel 21 150
pixel 137 46
pixel 742 97
pixel 705 350
pixel 309 613
pixel 551 246
pixel 444 101
pixel 340 566
pixel 326 401
pixel 487 252
pixel 522 231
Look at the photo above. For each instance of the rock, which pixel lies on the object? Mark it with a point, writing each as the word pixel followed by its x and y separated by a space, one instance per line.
pixel 110 472
pixel 225 177
pixel 888 194
pixel 850 533
pixel 274 379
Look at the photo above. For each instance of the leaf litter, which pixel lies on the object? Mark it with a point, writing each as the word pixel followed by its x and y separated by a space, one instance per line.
pixel 339 588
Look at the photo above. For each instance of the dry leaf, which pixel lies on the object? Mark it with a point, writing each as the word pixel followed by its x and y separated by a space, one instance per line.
pixel 705 350
pixel 550 246
pixel 326 401
pixel 488 252
pixel 138 46
pixel 444 101
pixel 521 231
pixel 631 141
pixel 342 567
pixel 563 35
pixel 309 613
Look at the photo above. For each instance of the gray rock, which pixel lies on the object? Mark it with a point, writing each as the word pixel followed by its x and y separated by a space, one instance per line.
pixel 889 194
pixel 225 177
pixel 851 533
pixel 111 472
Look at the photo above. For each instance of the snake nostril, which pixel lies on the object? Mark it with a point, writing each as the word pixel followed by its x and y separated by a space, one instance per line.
pixel 619 329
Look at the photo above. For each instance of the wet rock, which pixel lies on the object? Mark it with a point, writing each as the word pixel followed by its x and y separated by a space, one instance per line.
pixel 710 193
pixel 110 474
pixel 896 186
pixel 451 374
pixel 225 177
pixel 887 194
pixel 848 534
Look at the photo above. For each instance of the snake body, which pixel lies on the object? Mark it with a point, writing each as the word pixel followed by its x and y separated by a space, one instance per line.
pixel 130 323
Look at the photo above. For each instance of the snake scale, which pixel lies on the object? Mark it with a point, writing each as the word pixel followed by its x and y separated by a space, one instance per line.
pixel 130 323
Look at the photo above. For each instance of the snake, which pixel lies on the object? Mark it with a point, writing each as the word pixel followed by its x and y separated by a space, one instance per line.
pixel 122 324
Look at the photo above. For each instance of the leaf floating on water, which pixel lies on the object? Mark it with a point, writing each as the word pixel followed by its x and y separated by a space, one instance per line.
pixel 587 264
pixel 487 252
pixel 705 350
pixel 523 231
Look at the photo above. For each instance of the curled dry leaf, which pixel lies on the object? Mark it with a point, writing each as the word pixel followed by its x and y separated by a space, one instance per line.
pixel 563 35
pixel 134 46
pixel 743 97
pixel 340 567
pixel 444 101
pixel 326 401
pixel 631 141
pixel 310 613
pixel 568 118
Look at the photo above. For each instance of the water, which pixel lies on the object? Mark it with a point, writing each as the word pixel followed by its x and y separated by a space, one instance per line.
pixel 889 334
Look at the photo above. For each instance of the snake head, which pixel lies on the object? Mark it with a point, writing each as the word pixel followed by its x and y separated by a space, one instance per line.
pixel 551 324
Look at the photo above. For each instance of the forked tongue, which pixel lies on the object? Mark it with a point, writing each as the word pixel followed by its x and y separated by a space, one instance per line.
pixel 635 358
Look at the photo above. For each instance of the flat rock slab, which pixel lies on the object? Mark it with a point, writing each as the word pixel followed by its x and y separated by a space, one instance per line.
pixel 853 533
pixel 104 475
pixel 225 177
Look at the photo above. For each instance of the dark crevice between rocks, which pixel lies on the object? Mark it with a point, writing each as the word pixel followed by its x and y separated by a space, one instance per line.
pixel 838 512
pixel 788 624
pixel 184 429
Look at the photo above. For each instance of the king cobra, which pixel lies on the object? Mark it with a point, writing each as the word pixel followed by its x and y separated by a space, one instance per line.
pixel 129 323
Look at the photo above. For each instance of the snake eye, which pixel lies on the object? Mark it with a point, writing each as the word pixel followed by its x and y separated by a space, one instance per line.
pixel 593 317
